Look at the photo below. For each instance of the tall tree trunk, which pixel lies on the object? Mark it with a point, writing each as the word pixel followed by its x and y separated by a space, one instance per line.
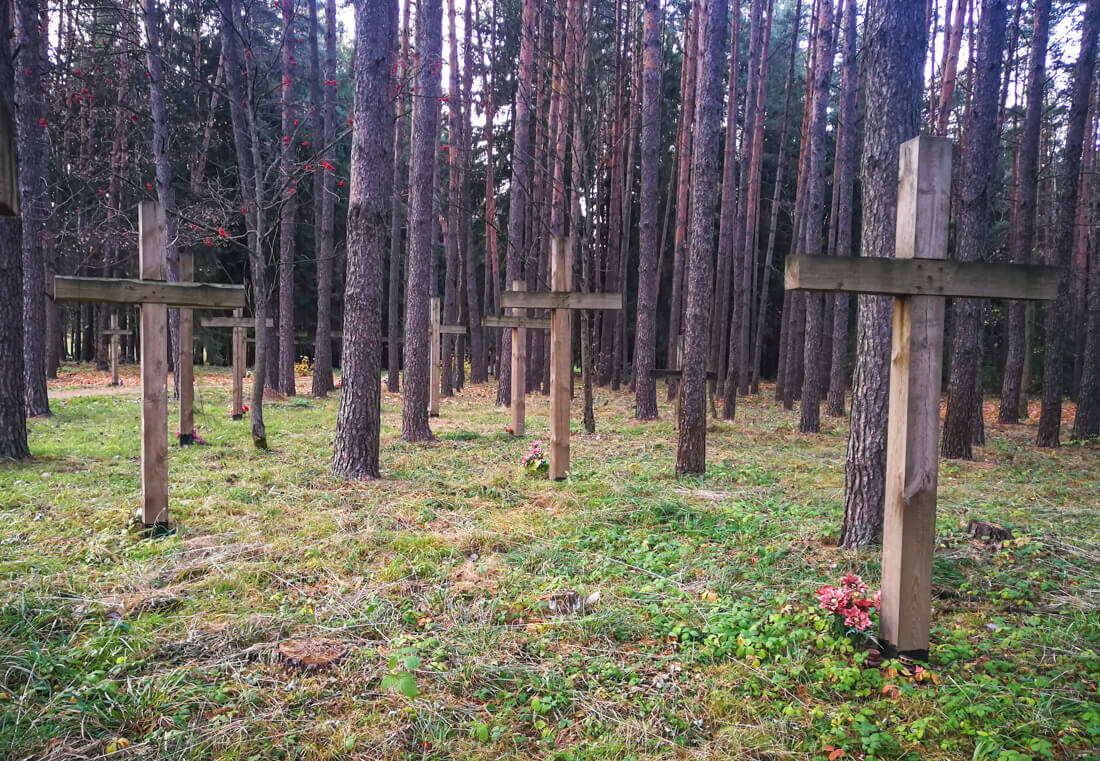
pixel 727 220
pixel 1086 424
pixel 425 138
pixel 691 458
pixel 616 161
pixel 288 221
pixel 645 338
pixel 1022 233
pixel 893 64
pixel 1055 325
pixel 452 233
pixel 949 67
pixel 324 212
pixel 1084 240
pixel 520 186
pixel 250 187
pixel 398 220
pixel 810 410
pixel 13 412
pixel 843 189
pixel 479 361
pixel 972 212
pixel 355 453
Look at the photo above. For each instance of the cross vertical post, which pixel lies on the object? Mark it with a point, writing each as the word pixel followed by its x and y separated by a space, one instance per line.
pixel 186 367
pixel 114 332
pixel 238 353
pixel 519 372
pixel 434 357
pixel 153 265
pixel 561 359
pixel 912 453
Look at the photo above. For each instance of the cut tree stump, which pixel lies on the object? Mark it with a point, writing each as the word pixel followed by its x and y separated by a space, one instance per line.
pixel 311 655
pixel 988 532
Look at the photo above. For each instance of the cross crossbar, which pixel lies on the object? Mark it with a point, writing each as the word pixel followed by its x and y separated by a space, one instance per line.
pixel 453 330
pixel 516 321
pixel 921 277
pixel 560 300
pixel 232 322
pixel 131 291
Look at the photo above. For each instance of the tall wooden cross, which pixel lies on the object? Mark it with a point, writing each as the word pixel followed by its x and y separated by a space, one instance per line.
pixel 154 295
pixel 438 330
pixel 561 300
pixel 918 278
pixel 114 333
pixel 239 324
pixel 519 323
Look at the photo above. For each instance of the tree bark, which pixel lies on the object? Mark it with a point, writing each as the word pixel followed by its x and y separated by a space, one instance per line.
pixel 1086 424
pixel 324 116
pixel 949 67
pixel 355 454
pixel 723 308
pixel 893 65
pixel 972 213
pixel 425 138
pixel 691 456
pixel 288 220
pixel 1055 331
pixel 400 207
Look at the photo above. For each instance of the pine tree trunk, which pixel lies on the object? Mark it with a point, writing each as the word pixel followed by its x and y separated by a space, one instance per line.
pixel 1022 232
pixel 1086 425
pixel 691 458
pixel 893 65
pixel 400 206
pixel 1055 326
pixel 370 210
pixel 949 67
pixel 425 138
pixel 727 220
pixel 324 203
pixel 479 362
pixel 972 228
pixel 288 220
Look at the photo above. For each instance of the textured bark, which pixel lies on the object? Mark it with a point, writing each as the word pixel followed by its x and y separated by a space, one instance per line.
pixel 972 228
pixel 452 233
pixel 492 263
pixel 777 192
pixel 1086 425
pixel 355 454
pixel 893 64
pixel 691 457
pixel 619 370
pixel 479 362
pixel 683 185
pixel 1055 326
pixel 1022 233
pixel 34 199
pixel 288 220
pixel 400 207
pixel 843 190
pixel 1084 240
pixel 949 67
pixel 810 409
pixel 727 219
pixel 645 339
pixel 198 163
pixel 519 187
pixel 612 248
pixel 425 138
pixel 323 110
pixel 250 189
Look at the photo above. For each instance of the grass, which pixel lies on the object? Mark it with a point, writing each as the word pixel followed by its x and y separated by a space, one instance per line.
pixel 705 642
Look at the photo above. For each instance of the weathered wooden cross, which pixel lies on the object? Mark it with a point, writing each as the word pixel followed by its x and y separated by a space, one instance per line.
pixel 154 295
pixel 677 373
pixel 560 300
pixel 114 333
pixel 438 330
pixel 239 324
pixel 519 323
pixel 918 279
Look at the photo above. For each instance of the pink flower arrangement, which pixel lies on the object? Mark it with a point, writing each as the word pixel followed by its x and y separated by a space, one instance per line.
pixel 195 438
pixel 535 459
pixel 849 600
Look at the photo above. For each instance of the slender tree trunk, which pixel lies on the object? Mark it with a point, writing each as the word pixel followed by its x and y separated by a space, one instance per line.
pixel 1086 425
pixel 1055 331
pixel 645 338
pixel 972 212
pixel 691 456
pixel 324 211
pixel 479 361
pixel 949 67
pixel 398 220
pixel 288 221
pixel 843 191
pixel 727 220
pixel 893 64
pixel 520 185
pixel 355 454
pixel 1084 240
pixel 425 138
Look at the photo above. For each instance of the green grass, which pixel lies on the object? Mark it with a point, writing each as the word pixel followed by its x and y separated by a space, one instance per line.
pixel 705 642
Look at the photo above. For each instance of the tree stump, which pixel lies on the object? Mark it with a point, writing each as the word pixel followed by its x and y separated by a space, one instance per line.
pixel 310 655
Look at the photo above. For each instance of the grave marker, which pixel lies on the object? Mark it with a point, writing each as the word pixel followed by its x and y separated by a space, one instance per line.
pixel 560 300
pixel 114 333
pixel 435 361
pixel 519 323
pixel 918 279
pixel 239 324
pixel 154 295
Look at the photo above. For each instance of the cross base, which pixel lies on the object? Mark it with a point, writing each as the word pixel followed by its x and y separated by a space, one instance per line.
pixel 187 439
pixel 238 416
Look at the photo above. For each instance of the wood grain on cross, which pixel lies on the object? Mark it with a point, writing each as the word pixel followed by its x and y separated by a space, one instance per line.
pixel 918 279
pixel 154 295
pixel 519 323
pixel 435 345
pixel 560 300
pixel 239 324
pixel 114 333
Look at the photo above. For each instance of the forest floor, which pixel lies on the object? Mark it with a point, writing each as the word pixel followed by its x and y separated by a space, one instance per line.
pixel 450 583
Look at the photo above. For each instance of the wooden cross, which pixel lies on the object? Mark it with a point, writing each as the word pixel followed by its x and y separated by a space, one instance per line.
pixel 154 295
pixel 114 333
pixel 560 300
pixel 435 362
pixel 519 323
pixel 918 279
pixel 677 373
pixel 239 324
